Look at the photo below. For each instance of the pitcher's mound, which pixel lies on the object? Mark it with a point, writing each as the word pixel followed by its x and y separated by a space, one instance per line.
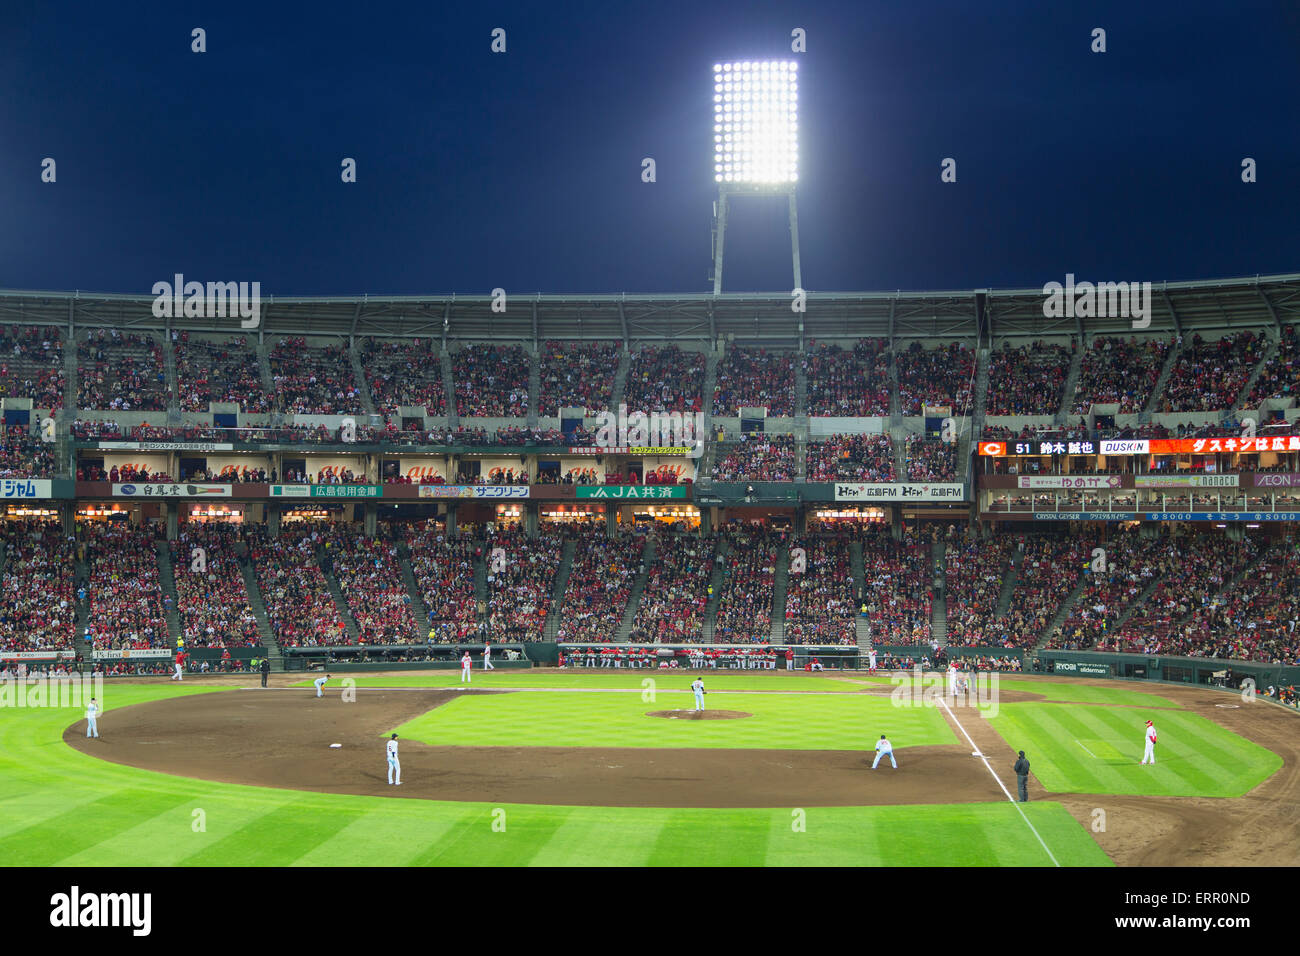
pixel 699 714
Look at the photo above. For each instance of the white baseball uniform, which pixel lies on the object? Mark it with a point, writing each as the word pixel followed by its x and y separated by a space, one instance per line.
pixel 320 682
pixel 394 765
pixel 487 658
pixel 92 712
pixel 952 679
pixel 465 664
pixel 1149 751
pixel 698 686
pixel 884 748
pixel 871 658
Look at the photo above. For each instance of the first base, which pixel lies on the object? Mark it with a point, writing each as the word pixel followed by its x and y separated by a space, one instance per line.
pixel 336 745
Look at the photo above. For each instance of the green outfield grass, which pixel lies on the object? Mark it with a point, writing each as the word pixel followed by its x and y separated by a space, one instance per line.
pixel 61 807
pixel 602 679
pixel 780 722
pixel 1098 749
pixel 1054 689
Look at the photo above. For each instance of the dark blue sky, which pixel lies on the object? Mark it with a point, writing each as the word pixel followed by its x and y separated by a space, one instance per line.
pixel 522 170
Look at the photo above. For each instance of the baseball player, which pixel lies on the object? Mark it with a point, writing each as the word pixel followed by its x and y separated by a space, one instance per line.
pixel 871 660
pixel 394 765
pixel 884 748
pixel 1149 752
pixel 952 680
pixel 487 657
pixel 92 712
pixel 319 682
pixel 180 660
pixel 466 662
pixel 697 685
pixel 1021 769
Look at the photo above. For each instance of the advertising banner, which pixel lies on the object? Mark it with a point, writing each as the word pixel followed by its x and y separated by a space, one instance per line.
pixel 26 488
pixel 1069 481
pixel 1186 481
pixel 629 492
pixel 473 491
pixel 174 490
pixel 934 491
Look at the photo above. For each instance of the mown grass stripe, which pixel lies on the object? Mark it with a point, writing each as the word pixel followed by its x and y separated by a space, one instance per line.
pixel 61 835
pixel 277 837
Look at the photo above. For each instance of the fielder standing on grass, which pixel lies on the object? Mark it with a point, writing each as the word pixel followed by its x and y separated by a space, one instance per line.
pixel 697 685
pixel 466 662
pixel 487 657
pixel 1022 777
pixel 1149 751
pixel 92 713
pixel 884 748
pixel 320 682
pixel 394 765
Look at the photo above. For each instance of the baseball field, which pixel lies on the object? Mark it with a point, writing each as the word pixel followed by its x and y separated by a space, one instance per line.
pixel 600 768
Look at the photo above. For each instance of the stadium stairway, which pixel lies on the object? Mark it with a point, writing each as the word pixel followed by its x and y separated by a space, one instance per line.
pixel 561 584
pixel 895 405
pixel 170 378
pixel 619 392
pixel 1071 383
pixel 715 582
pixel 939 589
pixel 449 389
pixel 780 588
pixel 363 386
pixel 899 439
pixel 638 588
pixel 326 565
pixel 1010 576
pixel 80 578
pixel 800 387
pixel 258 606
pixel 858 566
pixel 1158 390
pixel 981 397
pixel 70 378
pixel 264 365
pixel 1063 611
pixel 1270 350
pixel 167 578
pixel 534 387
pixel 711 360
pixel 412 587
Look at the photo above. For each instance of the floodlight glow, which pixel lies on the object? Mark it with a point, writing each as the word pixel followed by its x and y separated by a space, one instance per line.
pixel 757 101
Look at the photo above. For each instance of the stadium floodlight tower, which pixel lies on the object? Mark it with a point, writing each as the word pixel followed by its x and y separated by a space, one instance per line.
pixel 755 143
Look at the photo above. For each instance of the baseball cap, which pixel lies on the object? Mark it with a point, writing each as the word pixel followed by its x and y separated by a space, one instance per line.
pixel 1148 723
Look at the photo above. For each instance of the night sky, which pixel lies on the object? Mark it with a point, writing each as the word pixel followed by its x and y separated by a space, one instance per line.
pixel 522 170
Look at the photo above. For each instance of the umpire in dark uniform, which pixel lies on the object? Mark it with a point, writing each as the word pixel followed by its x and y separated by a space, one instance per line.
pixel 265 669
pixel 1022 777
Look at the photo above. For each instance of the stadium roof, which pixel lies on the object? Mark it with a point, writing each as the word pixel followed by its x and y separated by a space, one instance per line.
pixel 759 318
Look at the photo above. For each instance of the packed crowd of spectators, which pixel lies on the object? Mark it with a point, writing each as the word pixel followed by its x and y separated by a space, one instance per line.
pixel 1131 563
pixel 31 364
pixel 897 593
pixel 599 583
pixel 752 378
pixel 520 582
pixel 848 382
pixel 1047 572
pixel 313 380
pixel 744 612
pixel 36 592
pixel 1280 377
pixel 404 373
pixel 24 455
pixel 676 593
pixel 124 588
pixel 208 371
pixel 665 378
pixel 1028 380
pixel 975 573
pixel 577 376
pixel 937 377
pixel 930 459
pixel 299 606
pixel 211 599
pixel 121 473
pixel 444 567
pixel 820 599
pixel 369 572
pixel 758 457
pixel 1210 375
pixel 491 381
pixel 121 372
pixel 851 458
pixel 1116 372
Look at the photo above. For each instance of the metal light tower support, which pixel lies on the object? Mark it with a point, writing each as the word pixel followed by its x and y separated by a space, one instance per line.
pixel 726 192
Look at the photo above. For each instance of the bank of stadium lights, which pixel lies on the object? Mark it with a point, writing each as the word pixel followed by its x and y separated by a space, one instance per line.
pixel 755 143
pixel 756 122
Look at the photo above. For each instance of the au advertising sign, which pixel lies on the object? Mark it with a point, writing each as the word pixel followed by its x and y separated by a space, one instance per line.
pixel 629 492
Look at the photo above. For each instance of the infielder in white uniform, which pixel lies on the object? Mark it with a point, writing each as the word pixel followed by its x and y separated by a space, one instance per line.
pixel 952 680
pixel 871 660
pixel 466 662
pixel 884 748
pixel 320 682
pixel 487 658
pixel 394 765
pixel 697 685
pixel 1149 752
pixel 92 712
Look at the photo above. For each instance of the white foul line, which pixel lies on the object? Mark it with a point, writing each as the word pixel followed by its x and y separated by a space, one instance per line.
pixel 979 753
pixel 1085 749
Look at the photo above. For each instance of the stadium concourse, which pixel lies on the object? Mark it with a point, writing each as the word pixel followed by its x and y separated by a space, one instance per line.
pixel 655 482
